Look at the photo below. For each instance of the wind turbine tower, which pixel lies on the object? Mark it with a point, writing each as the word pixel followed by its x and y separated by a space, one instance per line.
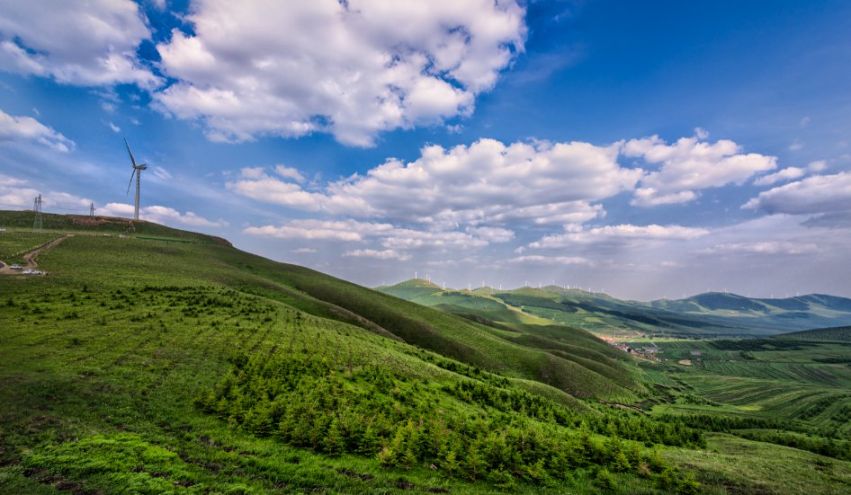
pixel 137 171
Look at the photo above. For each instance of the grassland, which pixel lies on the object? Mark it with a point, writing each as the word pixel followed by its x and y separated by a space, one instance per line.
pixel 115 369
pixel 783 392
pixel 151 360
pixel 15 243
pixel 782 397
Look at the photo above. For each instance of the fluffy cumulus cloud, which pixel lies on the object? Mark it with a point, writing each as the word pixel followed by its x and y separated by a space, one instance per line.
pixel 91 43
pixel 351 68
pixel 618 234
pixel 689 165
pixel 159 214
pixel 486 182
pixel 394 242
pixel 28 129
pixel 826 197
pixel 312 229
pixel 787 174
pixel 541 193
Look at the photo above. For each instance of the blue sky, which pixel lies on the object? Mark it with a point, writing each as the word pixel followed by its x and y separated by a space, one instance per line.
pixel 645 149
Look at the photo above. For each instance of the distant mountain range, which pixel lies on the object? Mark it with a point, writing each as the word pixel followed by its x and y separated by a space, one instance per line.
pixel 711 313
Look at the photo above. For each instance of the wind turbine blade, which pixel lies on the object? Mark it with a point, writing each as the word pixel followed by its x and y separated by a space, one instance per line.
pixel 132 160
pixel 131 180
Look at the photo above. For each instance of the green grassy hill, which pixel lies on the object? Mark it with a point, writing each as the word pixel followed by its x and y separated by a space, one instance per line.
pixel 582 349
pixel 160 361
pixel 203 259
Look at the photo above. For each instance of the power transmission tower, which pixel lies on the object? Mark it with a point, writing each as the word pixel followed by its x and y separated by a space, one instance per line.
pixel 91 209
pixel 38 221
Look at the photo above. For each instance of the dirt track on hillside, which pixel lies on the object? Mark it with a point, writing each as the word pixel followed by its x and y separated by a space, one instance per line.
pixel 31 256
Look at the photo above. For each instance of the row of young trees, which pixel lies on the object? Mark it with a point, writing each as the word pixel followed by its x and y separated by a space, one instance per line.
pixel 305 400
pixel 781 432
pixel 622 424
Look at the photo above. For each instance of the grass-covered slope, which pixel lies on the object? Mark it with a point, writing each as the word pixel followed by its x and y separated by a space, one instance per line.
pixel 192 258
pixel 581 349
pixel 173 363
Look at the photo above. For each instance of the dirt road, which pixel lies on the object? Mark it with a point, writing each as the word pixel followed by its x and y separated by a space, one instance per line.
pixel 31 256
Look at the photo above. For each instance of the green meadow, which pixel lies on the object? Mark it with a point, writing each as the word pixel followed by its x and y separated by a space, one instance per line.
pixel 153 360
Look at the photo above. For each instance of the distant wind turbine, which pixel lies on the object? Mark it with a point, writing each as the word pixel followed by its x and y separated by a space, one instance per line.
pixel 137 171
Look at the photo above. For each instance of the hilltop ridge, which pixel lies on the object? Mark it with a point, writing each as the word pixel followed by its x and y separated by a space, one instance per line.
pixel 710 313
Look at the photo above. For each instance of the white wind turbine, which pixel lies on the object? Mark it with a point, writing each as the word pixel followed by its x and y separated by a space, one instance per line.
pixel 137 171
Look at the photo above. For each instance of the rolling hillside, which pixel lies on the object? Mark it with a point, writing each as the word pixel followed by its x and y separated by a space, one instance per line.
pixel 321 295
pixel 157 358
pixel 152 360
pixel 709 314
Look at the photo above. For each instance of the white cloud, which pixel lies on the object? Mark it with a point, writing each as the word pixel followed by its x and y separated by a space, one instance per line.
pixel 91 43
pixel 623 233
pixel 796 145
pixel 384 254
pixel 485 182
pixel 159 214
pixel 28 129
pixel 289 173
pixel 351 68
pixel 551 260
pixel 648 196
pixel 305 250
pixel 113 127
pixel 403 238
pixel 255 183
pixel 19 194
pixel 492 234
pixel 339 230
pixel 386 235
pixel 253 172
pixel 816 194
pixel 764 247
pixel 817 166
pixel 787 174
pixel 689 165
pixel 566 212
